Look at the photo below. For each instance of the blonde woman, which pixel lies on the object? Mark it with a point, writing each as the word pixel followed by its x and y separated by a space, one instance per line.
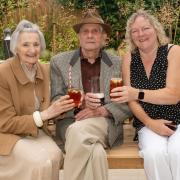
pixel 151 79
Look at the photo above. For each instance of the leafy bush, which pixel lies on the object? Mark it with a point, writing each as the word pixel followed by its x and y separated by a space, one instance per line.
pixel 116 13
pixel 56 17
pixel 54 20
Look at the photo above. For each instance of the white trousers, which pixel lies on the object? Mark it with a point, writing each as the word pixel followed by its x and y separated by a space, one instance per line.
pixel 161 154
pixel 32 159
pixel 85 157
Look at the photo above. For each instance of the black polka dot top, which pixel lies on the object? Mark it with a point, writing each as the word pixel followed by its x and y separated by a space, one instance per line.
pixel 157 80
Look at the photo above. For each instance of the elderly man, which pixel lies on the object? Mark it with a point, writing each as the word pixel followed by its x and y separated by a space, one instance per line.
pixel 95 126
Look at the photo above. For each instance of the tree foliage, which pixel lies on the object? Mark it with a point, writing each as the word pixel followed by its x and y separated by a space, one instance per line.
pixel 116 13
pixel 6 7
pixel 56 17
pixel 9 5
pixel 55 22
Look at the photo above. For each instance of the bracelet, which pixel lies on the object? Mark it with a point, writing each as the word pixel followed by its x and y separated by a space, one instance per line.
pixel 37 119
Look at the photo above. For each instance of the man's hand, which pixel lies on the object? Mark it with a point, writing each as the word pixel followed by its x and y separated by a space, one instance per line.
pixel 91 101
pixel 89 113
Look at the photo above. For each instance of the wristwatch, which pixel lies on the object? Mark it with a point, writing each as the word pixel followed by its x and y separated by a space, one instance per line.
pixel 141 94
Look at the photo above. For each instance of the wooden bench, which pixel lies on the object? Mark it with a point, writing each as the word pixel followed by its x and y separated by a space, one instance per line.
pixel 126 155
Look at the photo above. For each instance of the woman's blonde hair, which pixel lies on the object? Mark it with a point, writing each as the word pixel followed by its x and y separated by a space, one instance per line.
pixel 161 35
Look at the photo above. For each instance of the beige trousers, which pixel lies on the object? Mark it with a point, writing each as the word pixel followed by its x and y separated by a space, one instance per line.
pixel 85 157
pixel 32 159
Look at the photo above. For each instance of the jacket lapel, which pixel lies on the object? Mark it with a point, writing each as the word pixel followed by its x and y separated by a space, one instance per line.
pixel 75 66
pixel 105 74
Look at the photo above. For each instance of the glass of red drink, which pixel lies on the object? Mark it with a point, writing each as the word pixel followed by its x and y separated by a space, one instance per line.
pixel 115 82
pixel 75 94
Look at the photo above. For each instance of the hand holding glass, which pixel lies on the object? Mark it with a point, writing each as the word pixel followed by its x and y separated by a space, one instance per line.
pixel 114 83
pixel 96 89
pixel 75 94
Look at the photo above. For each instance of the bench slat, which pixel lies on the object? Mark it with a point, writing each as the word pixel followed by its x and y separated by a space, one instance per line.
pixel 125 156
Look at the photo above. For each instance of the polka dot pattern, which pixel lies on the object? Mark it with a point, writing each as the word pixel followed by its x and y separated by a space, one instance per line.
pixel 156 80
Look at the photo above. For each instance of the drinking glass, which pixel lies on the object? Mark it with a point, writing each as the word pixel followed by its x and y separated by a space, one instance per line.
pixel 116 81
pixel 96 88
pixel 75 93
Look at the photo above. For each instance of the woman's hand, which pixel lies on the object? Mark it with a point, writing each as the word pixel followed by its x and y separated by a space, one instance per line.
pixel 159 127
pixel 124 94
pixel 63 104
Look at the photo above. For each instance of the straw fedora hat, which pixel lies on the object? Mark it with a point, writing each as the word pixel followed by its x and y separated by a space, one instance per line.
pixel 92 17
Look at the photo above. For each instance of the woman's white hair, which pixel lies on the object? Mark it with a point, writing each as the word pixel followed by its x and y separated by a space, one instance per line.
pixel 26 26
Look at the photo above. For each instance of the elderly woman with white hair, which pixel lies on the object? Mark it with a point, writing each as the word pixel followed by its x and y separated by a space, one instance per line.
pixel 26 152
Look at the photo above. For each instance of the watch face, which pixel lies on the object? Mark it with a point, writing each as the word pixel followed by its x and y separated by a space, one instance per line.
pixel 141 95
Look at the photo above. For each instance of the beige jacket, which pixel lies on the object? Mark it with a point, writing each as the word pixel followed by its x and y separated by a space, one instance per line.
pixel 17 102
